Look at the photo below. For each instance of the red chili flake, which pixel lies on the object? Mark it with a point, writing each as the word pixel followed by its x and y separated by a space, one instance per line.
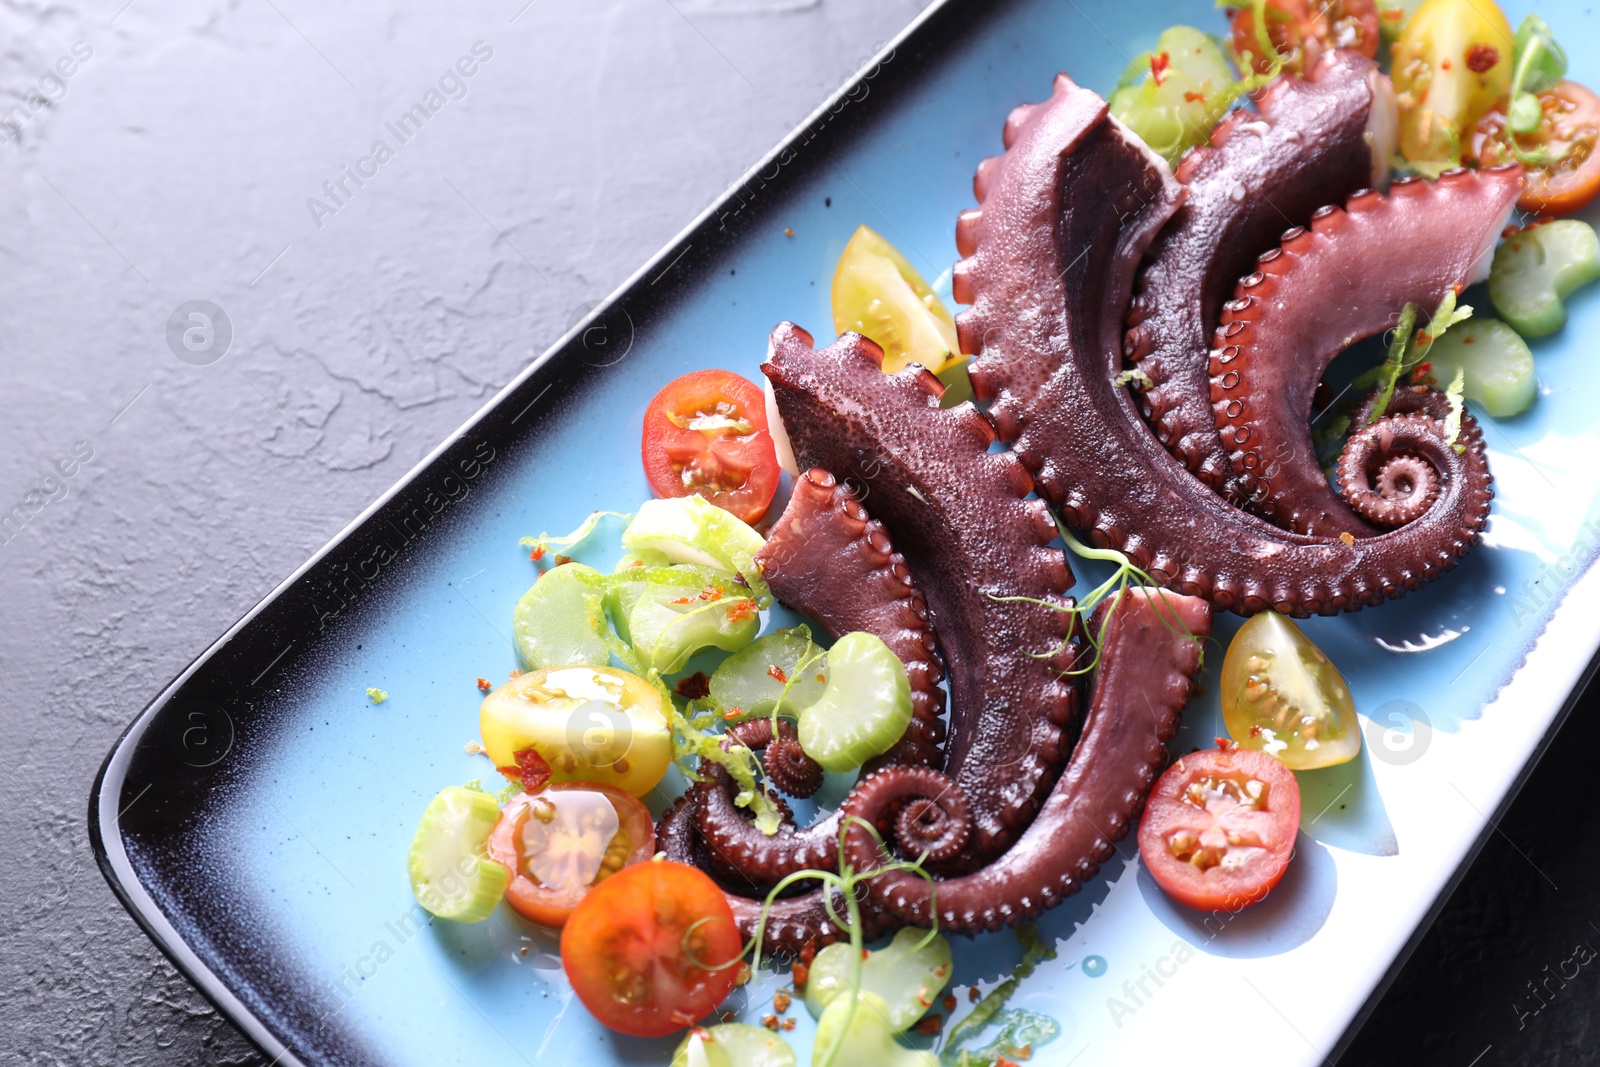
pixel 728 1017
pixel 775 672
pixel 733 712
pixel 1023 1052
pixel 808 954
pixel 787 1024
pixel 1255 730
pixel 770 1022
pixel 711 592
pixel 1158 66
pixel 1348 538
pixel 536 555
pixel 1444 64
pixel 931 1025
pixel 516 672
pixel 561 560
pixel 531 770
pixel 1480 57
pixel 798 974
pixel 1393 14
pixel 680 600
pixel 949 1002
pixel 788 231
pixel 1223 743
pixel 973 995
pixel 694 687
pixel 1003 1062
pixel 742 610
pixel 1194 97
pixel 637 563
pixel 781 1001
pixel 485 684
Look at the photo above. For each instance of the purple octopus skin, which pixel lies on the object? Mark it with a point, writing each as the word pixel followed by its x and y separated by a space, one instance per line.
pixel 971 537
pixel 793 923
pixel 1049 283
pixel 1317 294
pixel 1141 685
pixel 829 561
pixel 1314 140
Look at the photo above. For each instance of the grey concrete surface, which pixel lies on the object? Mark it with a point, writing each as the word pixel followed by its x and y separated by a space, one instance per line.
pixel 158 153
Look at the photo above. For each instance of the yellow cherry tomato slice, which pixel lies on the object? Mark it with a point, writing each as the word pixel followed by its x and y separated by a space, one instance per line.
pixel 590 724
pixel 879 294
pixel 1283 696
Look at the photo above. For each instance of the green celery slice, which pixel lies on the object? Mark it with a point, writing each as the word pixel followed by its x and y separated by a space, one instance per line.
pixel 552 625
pixel 733 1045
pixel 1496 364
pixel 688 529
pixel 661 613
pixel 864 709
pixel 863 1037
pixel 1195 89
pixel 451 875
pixel 749 679
pixel 1535 269
pixel 906 973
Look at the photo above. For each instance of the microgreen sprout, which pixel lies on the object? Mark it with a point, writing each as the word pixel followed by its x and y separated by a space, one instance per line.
pixel 544 542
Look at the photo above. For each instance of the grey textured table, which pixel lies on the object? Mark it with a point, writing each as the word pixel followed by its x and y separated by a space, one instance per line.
pixel 157 154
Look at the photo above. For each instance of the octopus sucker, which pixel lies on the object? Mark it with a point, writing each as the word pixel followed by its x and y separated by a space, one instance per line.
pixel 1308 145
pixel 1327 295
pixel 973 541
pixel 1150 653
pixel 1051 286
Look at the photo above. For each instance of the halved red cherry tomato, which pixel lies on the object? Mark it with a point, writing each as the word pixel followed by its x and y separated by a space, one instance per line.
pixel 652 948
pixel 1219 828
pixel 562 842
pixel 1567 134
pixel 706 434
pixel 1302 31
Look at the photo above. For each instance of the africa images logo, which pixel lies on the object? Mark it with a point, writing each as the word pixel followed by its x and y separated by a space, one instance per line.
pixel 352 178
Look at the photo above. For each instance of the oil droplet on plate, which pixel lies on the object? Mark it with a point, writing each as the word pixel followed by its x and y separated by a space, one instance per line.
pixel 1094 966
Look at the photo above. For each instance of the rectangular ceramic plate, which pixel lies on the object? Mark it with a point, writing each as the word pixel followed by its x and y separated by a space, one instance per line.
pixel 255 817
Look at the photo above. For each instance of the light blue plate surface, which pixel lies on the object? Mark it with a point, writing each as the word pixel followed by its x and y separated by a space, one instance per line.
pixel 314 841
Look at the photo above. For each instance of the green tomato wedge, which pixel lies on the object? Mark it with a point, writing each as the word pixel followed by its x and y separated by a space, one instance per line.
pixel 669 613
pixel 451 874
pixel 690 529
pixel 749 680
pixel 733 1045
pixel 1496 366
pixel 1536 268
pixel 1174 110
pixel 862 1037
pixel 864 709
pixel 552 624
pixel 906 973
pixel 879 294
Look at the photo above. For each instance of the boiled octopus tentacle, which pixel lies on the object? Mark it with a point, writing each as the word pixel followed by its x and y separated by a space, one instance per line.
pixel 971 537
pixel 1381 473
pixel 1315 139
pixel 788 768
pixel 793 923
pixel 1317 294
pixel 728 833
pixel 1141 685
pixel 829 561
pixel 1047 302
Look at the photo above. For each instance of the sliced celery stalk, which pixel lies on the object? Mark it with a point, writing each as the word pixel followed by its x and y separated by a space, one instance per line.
pixel 1496 364
pixel 907 974
pixel 863 1037
pixel 733 1045
pixel 688 529
pixel 451 875
pixel 1535 269
pixel 753 679
pixel 669 613
pixel 552 625
pixel 864 709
